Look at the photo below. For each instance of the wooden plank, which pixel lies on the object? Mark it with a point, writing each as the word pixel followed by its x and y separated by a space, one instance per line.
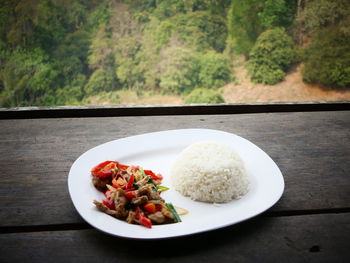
pixel 311 149
pixel 311 238
pixel 158 110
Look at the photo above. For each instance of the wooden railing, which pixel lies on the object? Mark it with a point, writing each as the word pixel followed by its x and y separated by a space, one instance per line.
pixel 158 110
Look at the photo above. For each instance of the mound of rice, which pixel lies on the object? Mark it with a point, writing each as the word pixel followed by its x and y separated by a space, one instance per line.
pixel 210 171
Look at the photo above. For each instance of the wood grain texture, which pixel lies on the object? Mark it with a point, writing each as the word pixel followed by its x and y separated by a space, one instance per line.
pixel 312 238
pixel 311 148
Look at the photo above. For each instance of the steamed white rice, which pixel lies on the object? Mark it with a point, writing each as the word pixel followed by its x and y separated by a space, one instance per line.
pixel 210 171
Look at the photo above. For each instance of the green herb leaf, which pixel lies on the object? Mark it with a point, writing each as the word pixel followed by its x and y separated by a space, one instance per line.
pixel 173 211
pixel 162 188
pixel 142 172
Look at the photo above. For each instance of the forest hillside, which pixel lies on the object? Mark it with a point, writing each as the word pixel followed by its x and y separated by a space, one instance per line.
pixel 60 52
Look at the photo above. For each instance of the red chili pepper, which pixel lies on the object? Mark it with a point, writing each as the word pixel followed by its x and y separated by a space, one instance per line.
pixel 145 221
pixel 150 208
pixel 159 207
pixel 131 181
pixel 142 219
pixel 122 166
pixel 109 203
pixel 108 194
pixel 153 175
pixel 130 195
pixel 104 169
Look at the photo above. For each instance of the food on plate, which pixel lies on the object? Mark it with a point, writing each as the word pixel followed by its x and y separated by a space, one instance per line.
pixel 132 194
pixel 210 171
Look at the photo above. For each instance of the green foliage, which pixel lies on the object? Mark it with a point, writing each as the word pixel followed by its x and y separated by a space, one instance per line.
pixel 70 60
pixel 6 19
pixel 177 68
pixel 100 80
pixel 247 19
pixel 327 59
pixel 200 29
pixel 68 51
pixel 213 70
pixel 73 93
pixel 148 57
pixel 276 13
pixel 25 77
pixel 75 44
pixel 126 61
pixel 318 14
pixel 109 96
pixel 140 6
pixel 112 97
pixel 267 73
pixel 100 16
pixel 244 24
pixel 40 23
pixel 61 52
pixel 215 7
pixel 204 27
pixel 169 8
pixel 100 50
pixel 202 95
pixel 271 56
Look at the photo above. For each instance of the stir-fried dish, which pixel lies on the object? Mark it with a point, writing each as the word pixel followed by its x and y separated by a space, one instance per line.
pixel 132 194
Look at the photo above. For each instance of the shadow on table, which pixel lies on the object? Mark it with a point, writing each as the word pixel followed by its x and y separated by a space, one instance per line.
pixel 203 245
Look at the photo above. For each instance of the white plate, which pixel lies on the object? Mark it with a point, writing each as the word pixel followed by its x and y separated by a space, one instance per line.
pixel 157 151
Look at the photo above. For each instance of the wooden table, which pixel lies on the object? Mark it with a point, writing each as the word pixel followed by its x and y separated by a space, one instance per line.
pixel 311 222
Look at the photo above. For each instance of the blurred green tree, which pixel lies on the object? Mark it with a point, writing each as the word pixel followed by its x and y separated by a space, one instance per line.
pixel 202 95
pixel 327 59
pixel 213 70
pixel 271 56
pixel 101 80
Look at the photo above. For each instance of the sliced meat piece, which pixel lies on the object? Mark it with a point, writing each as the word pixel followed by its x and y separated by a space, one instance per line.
pixel 100 183
pixel 143 181
pixel 131 217
pixel 144 190
pixel 121 201
pixel 121 214
pixel 140 200
pixel 157 217
pixel 116 195
pixel 167 213
pixel 153 195
pixel 147 190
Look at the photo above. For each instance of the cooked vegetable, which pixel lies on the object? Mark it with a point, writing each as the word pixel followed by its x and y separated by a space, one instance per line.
pixel 173 211
pixel 109 203
pixel 150 208
pixel 142 219
pixel 153 175
pixel 130 182
pixel 105 169
pixel 132 194
pixel 162 188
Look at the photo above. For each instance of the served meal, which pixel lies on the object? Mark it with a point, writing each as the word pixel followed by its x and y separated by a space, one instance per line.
pixel 206 171
pixel 132 194
pixel 210 171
